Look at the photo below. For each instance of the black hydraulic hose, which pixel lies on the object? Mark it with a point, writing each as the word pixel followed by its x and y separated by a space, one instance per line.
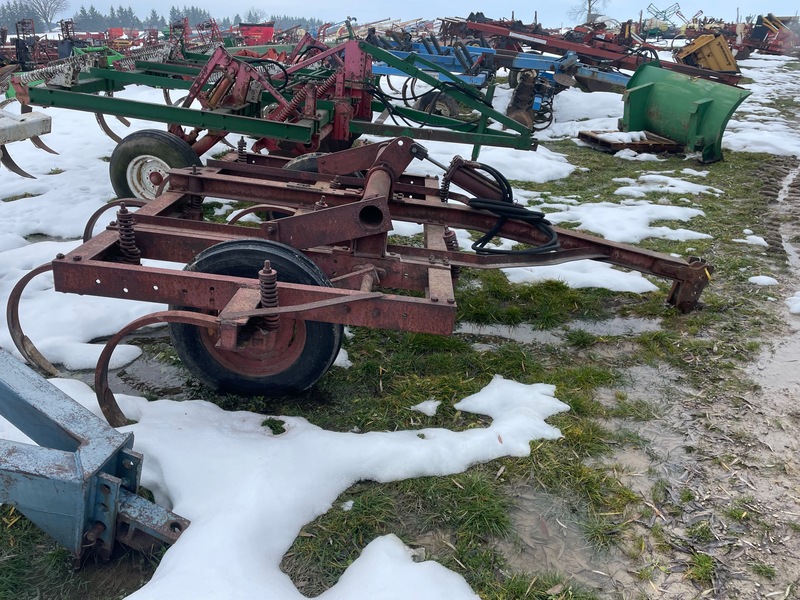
pixel 505 208
pixel 263 66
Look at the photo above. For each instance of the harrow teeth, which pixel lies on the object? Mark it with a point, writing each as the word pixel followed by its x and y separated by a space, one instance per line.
pixel 9 163
pixel 39 143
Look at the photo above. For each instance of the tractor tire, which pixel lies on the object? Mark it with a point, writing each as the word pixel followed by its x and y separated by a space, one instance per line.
pixel 302 351
pixel 140 162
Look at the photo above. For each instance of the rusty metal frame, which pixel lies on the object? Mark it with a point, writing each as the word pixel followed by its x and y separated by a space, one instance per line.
pixel 340 218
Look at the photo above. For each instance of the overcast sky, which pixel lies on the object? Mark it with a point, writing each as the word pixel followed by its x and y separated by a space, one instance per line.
pixel 550 14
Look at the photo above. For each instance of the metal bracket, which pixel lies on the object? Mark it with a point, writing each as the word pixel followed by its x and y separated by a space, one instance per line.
pixel 79 484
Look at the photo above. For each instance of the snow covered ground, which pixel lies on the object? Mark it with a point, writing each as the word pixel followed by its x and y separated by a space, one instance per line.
pixel 197 454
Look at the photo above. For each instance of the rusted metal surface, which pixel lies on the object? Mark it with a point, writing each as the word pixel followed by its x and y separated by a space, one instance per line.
pixel 340 220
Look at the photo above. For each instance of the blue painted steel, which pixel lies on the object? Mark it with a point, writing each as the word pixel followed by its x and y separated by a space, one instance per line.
pixel 81 480
pixel 569 63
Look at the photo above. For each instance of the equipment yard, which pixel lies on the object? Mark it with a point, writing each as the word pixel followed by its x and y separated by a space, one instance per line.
pixel 450 361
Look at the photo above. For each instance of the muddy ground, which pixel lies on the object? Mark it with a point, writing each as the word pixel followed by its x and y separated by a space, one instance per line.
pixel 729 468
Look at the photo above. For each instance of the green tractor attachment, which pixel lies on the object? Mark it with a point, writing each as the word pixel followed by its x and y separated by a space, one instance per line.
pixel 688 110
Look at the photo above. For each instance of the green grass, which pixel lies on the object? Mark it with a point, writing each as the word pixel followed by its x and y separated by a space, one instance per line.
pixel 19 197
pixel 764 570
pixel 701 569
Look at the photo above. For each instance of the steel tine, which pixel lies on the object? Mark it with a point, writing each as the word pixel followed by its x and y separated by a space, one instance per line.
pixel 37 141
pixel 101 120
pixel 9 163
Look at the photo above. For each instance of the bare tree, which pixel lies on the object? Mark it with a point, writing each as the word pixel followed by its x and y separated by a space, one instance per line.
pixel 46 10
pixel 255 15
pixel 586 11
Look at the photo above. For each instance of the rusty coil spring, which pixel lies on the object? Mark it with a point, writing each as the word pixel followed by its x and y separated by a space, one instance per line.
pixel 268 289
pixel 298 98
pixel 127 238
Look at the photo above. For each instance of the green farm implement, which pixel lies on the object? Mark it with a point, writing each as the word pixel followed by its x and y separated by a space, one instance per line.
pixel 321 102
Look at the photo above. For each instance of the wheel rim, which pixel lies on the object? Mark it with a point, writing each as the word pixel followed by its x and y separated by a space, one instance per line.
pixel 145 175
pixel 264 353
pixel 285 360
pixel 441 108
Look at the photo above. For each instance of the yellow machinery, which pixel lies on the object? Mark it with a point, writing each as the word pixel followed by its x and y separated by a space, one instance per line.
pixel 709 51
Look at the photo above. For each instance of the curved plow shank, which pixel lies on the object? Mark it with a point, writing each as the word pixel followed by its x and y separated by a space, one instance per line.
pixel 105 397
pixel 37 141
pixel 21 341
pixel 8 163
pixel 28 125
pixel 101 120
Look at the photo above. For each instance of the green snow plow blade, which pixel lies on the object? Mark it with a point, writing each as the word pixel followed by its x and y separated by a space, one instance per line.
pixel 685 109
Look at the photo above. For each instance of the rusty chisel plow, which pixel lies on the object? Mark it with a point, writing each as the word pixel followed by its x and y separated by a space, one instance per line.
pixel 261 310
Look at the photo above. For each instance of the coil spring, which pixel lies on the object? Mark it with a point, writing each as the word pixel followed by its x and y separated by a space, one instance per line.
pixel 241 150
pixel 268 289
pixel 451 243
pixel 444 188
pixel 127 237
pixel 283 113
pixel 81 62
pixel 160 53
pixel 193 209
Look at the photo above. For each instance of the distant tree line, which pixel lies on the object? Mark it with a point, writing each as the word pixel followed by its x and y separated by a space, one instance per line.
pixel 13 12
pixel 90 19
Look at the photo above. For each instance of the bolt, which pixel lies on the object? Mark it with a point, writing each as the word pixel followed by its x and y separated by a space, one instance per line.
pixel 127 463
pixel 76 258
pixel 59 255
pixel 95 532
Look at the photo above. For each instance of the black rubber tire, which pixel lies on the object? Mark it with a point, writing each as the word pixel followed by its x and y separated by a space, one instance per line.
pixel 312 346
pixel 146 153
pixel 513 78
pixel 438 103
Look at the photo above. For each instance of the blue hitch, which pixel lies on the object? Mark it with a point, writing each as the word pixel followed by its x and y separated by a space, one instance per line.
pixel 79 484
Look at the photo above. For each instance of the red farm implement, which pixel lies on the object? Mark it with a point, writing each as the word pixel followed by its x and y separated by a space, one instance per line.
pixel 261 310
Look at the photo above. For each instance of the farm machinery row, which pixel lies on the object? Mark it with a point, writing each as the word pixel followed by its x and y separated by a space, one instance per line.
pixel 305 98
pixel 324 98
pixel 261 309
pixel 594 45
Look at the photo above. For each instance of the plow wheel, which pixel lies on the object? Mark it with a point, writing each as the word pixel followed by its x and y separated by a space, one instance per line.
pixel 287 360
pixel 140 162
pixel 438 103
